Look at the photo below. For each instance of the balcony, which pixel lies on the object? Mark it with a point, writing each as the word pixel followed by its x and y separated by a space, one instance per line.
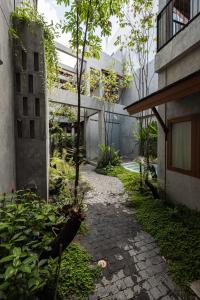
pixel 173 18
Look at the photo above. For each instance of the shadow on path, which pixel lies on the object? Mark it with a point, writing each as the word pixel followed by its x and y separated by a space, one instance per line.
pixel 134 270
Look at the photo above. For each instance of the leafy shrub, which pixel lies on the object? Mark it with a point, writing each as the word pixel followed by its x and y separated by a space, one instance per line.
pixel 61 177
pixel 76 279
pixel 25 230
pixel 108 157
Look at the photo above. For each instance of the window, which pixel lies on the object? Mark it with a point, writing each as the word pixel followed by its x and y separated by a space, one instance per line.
pixel 24 59
pixel 32 129
pixel 25 106
pixel 36 61
pixel 174 17
pixel 30 83
pixel 184 145
pixel 37 107
pixel 19 128
pixel 18 82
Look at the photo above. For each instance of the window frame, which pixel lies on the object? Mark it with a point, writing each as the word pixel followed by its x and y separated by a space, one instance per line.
pixel 195 145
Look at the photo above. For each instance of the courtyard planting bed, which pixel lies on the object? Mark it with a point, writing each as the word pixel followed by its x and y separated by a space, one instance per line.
pixel 175 228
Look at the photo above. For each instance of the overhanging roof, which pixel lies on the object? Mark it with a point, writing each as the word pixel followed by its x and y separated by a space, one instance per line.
pixel 175 91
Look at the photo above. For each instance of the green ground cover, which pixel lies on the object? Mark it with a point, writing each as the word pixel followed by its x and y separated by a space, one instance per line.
pixel 175 228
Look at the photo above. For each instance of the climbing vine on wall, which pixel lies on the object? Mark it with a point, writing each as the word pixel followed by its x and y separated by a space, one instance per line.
pixel 111 83
pixel 29 15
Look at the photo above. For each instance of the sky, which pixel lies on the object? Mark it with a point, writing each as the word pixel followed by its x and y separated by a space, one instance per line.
pixel 55 13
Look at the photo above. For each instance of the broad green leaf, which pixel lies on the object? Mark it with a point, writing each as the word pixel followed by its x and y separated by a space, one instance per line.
pixel 6 258
pixel 10 271
pixel 17 251
pixel 30 260
pixel 32 282
pixel 16 262
pixel 4 226
pixel 25 269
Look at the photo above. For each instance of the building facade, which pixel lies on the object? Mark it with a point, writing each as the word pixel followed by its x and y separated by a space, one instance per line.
pixel 23 107
pixel 176 104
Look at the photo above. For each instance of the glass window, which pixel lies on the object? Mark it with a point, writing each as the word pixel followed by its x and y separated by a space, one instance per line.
pixel 181 145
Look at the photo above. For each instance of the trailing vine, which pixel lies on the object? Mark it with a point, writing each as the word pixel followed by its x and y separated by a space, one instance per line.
pixel 29 15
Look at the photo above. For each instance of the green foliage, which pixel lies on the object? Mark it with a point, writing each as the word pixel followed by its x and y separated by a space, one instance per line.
pixel 97 15
pixel 61 177
pixel 147 138
pixel 175 228
pixel 77 275
pixel 28 15
pixel 62 110
pixel 177 232
pixel 108 157
pixel 25 230
pixel 130 180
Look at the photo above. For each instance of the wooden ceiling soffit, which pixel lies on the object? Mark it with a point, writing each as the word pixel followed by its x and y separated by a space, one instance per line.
pixel 175 91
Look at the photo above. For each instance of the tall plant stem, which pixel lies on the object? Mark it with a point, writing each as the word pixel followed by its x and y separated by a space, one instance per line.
pixel 79 78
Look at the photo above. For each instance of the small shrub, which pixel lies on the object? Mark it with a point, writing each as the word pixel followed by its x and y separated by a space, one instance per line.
pixel 108 157
pixel 61 177
pixel 25 231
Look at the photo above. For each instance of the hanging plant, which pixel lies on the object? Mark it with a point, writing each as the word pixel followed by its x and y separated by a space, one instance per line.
pixel 28 15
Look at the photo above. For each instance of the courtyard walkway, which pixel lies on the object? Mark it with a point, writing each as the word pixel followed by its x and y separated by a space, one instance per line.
pixel 134 269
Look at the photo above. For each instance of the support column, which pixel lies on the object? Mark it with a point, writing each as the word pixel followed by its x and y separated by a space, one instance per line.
pixel 101 123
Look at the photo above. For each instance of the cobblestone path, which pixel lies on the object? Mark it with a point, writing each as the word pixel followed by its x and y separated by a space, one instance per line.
pixel 134 270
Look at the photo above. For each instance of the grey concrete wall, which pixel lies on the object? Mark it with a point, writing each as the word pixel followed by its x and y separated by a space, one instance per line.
pixel 179 187
pixel 130 94
pixel 31 149
pixel 128 144
pixel 184 42
pixel 7 146
pixel 184 188
pixel 176 60
pixel 92 137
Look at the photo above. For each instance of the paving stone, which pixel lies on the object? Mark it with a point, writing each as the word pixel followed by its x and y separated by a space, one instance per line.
pixel 137 289
pixel 128 281
pixel 128 293
pixel 102 292
pixel 105 281
pixel 167 297
pixel 153 282
pixel 120 296
pixel 119 257
pixel 135 270
pixel 93 297
pixel 114 289
pixel 155 293
pixel 120 284
pixel 146 286
pixel 132 252
pixel 120 274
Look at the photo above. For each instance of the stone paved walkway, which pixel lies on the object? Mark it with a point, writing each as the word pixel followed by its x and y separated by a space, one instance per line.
pixel 135 270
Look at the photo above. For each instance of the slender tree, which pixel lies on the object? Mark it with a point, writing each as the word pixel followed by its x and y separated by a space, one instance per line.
pixel 88 21
pixel 138 41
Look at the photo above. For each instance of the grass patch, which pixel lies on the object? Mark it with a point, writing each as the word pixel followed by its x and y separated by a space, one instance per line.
pixel 175 228
pixel 77 275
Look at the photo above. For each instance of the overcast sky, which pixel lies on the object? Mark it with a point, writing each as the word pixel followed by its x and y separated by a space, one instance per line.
pixel 55 13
